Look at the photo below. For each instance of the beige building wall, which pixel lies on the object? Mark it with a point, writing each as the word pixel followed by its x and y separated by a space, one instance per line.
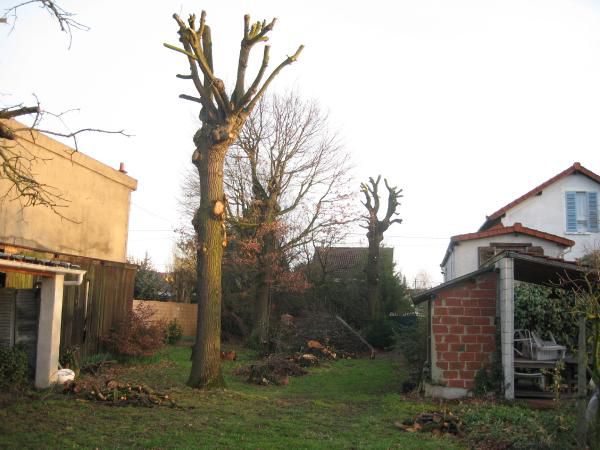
pixel 96 216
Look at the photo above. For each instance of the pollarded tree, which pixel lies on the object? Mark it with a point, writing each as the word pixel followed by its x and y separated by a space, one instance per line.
pixel 375 229
pixel 287 183
pixel 222 117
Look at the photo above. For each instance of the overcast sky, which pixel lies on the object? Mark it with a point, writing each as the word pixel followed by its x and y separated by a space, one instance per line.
pixel 466 105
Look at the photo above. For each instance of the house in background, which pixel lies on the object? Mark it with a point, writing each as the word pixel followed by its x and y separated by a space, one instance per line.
pixel 88 243
pixel 558 218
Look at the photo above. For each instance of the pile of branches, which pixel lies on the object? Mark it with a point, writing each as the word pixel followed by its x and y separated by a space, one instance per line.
pixel 434 422
pixel 273 370
pixel 293 335
pixel 115 393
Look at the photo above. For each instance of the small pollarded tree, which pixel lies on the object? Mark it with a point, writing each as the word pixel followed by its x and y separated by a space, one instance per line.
pixel 375 229
pixel 223 117
pixel 287 182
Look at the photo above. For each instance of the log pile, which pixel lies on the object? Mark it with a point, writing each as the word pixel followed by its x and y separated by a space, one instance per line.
pixel 294 334
pixel 115 393
pixel 435 422
pixel 273 370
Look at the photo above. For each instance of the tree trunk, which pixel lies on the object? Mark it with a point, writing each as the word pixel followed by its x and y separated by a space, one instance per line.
pixel 262 301
pixel 260 327
pixel 209 225
pixel 373 295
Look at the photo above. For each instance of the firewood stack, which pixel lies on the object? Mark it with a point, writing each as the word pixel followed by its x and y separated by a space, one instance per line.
pixel 115 393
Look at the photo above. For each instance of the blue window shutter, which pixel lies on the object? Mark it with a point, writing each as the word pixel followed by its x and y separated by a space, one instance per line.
pixel 592 198
pixel 571 209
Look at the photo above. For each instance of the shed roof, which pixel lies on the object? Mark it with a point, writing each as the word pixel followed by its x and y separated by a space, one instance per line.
pixel 531 269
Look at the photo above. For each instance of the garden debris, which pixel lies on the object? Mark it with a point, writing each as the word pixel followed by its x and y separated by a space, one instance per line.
pixel 305 359
pixel 317 349
pixel 314 344
pixel 435 422
pixel 96 368
pixel 115 393
pixel 274 370
pixel 229 356
pixel 320 327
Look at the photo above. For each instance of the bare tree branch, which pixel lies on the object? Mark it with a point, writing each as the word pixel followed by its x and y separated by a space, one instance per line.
pixel 66 20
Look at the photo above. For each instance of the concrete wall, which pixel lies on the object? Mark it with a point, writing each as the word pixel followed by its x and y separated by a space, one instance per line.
pixel 98 204
pixel 464 258
pixel 463 332
pixel 185 313
pixel 547 212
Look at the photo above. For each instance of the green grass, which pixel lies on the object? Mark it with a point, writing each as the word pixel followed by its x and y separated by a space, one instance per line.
pixel 344 404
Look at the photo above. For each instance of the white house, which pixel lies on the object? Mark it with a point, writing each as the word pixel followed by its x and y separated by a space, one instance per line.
pixel 558 219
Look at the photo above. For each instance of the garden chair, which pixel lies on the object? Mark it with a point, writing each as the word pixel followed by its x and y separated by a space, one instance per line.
pixel 547 350
pixel 523 344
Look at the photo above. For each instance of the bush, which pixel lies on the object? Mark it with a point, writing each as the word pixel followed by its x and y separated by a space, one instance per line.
pixel 14 371
pixel 411 340
pixel 137 335
pixel 380 334
pixel 173 332
pixel 543 310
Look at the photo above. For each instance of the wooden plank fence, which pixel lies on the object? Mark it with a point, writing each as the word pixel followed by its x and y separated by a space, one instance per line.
pixel 103 300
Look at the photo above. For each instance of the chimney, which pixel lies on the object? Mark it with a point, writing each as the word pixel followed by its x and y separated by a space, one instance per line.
pixel 122 167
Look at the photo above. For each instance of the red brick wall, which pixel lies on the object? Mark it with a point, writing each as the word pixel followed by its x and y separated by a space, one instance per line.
pixel 463 330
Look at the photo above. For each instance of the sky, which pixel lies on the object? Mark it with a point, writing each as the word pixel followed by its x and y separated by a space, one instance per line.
pixel 465 105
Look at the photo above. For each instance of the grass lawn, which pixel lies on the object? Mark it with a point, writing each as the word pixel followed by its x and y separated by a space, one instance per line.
pixel 349 404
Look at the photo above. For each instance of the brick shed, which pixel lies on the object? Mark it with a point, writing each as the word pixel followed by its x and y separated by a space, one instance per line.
pixel 467 315
pixel 462 330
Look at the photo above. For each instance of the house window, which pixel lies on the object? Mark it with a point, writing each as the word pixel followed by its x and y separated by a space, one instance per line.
pixel 581 211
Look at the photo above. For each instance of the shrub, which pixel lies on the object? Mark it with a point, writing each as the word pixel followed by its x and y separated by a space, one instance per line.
pixel 173 332
pixel 543 310
pixel 411 340
pixel 380 334
pixel 137 335
pixel 14 371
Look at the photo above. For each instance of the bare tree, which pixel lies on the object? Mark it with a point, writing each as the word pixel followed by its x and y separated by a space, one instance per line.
pixel 222 119
pixel 375 229
pixel 287 183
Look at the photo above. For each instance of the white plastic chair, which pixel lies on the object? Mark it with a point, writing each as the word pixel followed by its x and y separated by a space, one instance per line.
pixel 547 350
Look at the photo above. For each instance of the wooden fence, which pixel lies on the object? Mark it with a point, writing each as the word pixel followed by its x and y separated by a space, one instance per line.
pixel 103 300
pixel 185 313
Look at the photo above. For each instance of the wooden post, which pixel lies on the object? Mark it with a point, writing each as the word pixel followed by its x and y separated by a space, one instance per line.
pixel 581 384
